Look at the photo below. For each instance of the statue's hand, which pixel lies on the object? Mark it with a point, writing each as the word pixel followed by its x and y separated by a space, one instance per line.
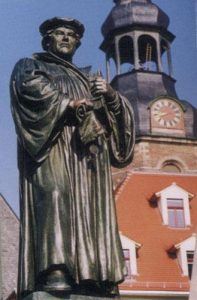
pixel 75 104
pixel 101 87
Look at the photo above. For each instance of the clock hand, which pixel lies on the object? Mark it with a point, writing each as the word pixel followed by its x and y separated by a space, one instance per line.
pixel 162 114
pixel 165 114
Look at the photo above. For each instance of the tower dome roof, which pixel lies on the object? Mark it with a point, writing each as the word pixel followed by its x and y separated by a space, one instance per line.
pixel 134 12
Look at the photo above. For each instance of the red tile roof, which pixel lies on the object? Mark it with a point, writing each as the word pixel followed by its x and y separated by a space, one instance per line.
pixel 143 223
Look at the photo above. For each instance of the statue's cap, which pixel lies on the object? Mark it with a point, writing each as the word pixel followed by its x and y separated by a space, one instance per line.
pixel 65 22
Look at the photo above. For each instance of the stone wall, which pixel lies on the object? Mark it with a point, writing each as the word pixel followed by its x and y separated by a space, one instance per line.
pixel 151 153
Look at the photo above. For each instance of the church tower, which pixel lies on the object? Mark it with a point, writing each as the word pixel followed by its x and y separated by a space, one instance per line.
pixel 156 195
pixel 137 44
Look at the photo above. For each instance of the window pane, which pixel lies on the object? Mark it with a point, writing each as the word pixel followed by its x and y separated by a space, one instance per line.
pixel 180 218
pixel 126 253
pixel 127 263
pixel 171 218
pixel 190 258
pixel 176 218
pixel 128 268
pixel 175 202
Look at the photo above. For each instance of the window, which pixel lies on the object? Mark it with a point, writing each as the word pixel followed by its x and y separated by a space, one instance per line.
pixel 127 263
pixel 171 168
pixel 185 254
pixel 190 259
pixel 176 217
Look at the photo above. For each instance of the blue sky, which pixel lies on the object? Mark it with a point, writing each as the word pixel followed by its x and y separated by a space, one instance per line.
pixel 19 22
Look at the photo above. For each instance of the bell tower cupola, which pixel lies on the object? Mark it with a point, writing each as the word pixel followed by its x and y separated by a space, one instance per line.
pixel 136 37
pixel 137 45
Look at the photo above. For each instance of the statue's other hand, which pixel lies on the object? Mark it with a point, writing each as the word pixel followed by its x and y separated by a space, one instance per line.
pixel 80 108
pixel 101 87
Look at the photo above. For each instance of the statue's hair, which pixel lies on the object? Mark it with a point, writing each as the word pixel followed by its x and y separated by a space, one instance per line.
pixel 46 40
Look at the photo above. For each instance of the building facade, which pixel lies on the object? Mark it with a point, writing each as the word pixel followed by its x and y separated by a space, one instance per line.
pixel 156 193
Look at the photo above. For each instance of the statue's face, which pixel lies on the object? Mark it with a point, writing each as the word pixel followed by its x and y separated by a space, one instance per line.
pixel 64 42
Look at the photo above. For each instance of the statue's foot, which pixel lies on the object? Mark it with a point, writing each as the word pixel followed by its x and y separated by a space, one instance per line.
pixel 56 281
pixel 114 291
pixel 110 290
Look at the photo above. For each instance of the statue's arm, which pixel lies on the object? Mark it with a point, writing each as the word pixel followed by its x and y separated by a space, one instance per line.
pixel 122 138
pixel 37 106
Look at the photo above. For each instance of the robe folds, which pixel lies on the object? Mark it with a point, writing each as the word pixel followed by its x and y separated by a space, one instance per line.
pixel 67 208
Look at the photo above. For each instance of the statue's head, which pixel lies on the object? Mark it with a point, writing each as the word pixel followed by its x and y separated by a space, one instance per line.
pixel 61 36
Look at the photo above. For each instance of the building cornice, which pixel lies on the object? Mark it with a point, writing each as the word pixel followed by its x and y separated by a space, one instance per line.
pixel 166 139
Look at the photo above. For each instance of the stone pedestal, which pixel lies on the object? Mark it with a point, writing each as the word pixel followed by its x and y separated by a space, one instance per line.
pixel 47 296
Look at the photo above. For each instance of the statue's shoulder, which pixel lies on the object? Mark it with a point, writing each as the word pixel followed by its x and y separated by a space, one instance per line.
pixel 24 64
pixel 27 65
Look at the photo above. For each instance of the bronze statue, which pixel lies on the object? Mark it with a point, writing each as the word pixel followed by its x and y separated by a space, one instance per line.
pixel 70 129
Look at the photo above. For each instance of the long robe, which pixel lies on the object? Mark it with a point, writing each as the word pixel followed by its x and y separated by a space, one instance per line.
pixel 67 205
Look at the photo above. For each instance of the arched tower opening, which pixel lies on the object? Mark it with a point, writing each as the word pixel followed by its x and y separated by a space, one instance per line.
pixel 172 165
pixel 111 63
pixel 148 53
pixel 166 57
pixel 126 54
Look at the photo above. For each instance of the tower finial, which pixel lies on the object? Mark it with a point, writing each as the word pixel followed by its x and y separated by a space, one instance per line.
pixel 130 1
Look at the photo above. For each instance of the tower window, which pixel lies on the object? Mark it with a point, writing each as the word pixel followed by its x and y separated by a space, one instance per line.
pixel 176 216
pixel 190 259
pixel 171 168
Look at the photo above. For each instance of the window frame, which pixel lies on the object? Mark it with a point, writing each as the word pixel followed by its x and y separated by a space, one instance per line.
pixel 174 192
pixel 127 263
pixel 175 209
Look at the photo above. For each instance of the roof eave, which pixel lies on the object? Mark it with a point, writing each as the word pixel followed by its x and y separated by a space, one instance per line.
pixel 153 293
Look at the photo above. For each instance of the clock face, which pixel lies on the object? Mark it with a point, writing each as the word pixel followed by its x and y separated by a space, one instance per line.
pixel 166 113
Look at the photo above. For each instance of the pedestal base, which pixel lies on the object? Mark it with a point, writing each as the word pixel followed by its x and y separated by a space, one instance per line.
pixel 47 296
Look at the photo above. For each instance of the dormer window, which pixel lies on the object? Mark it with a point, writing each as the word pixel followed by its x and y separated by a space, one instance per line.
pixel 185 254
pixel 130 248
pixel 173 202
